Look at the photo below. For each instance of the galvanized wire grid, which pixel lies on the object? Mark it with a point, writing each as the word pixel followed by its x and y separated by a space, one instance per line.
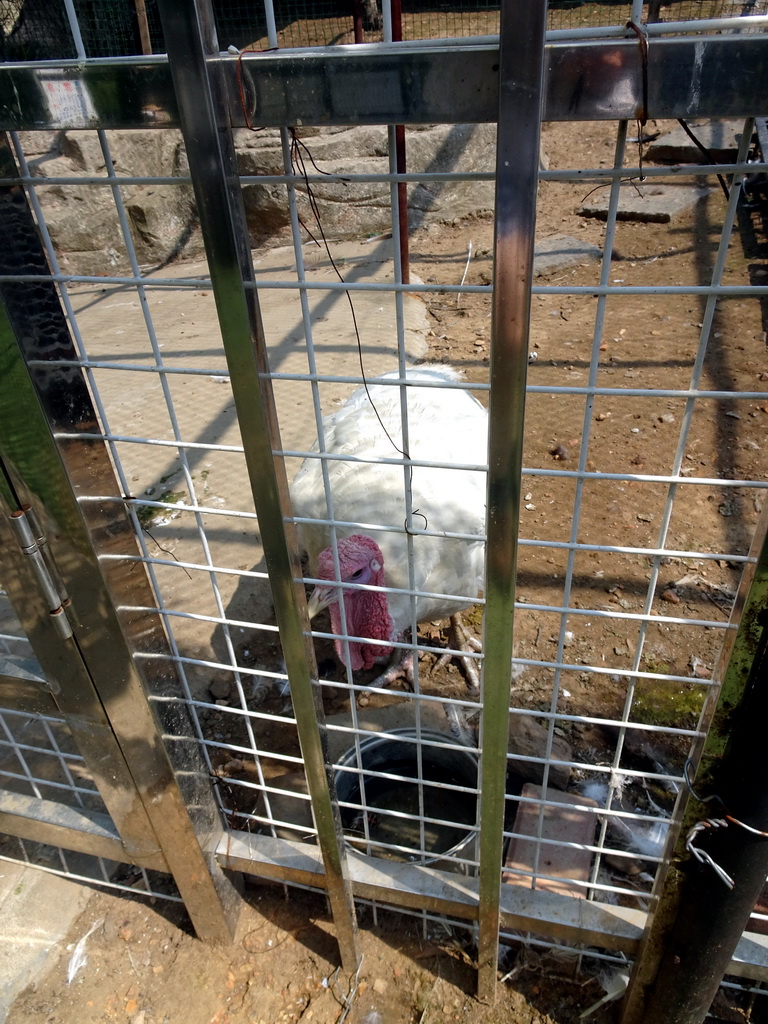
pixel 39 759
pixel 184 459
pixel 203 590
pixel 38 756
pixel 82 867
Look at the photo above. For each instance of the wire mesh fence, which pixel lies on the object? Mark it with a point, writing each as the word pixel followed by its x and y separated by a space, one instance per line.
pixel 90 870
pixel 622 605
pixel 40 759
pixel 35 30
pixel 643 480
pixel 38 756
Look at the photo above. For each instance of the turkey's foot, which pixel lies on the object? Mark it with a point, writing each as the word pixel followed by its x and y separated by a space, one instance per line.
pixel 461 640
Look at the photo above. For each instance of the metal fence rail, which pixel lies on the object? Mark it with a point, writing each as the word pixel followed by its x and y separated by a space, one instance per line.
pixel 211 384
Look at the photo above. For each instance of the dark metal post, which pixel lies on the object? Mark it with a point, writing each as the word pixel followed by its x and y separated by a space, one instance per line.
pixel 357 20
pixel 700 919
pixel 521 60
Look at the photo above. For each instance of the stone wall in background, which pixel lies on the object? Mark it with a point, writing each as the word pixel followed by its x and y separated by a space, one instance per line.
pixel 86 232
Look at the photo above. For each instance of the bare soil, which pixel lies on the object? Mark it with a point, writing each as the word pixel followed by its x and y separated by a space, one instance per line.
pixel 144 966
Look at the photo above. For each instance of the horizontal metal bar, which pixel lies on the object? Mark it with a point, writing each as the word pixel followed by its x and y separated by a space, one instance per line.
pixel 73 828
pixel 47 752
pixel 245 573
pixel 556 35
pixel 750 959
pixel 590 32
pixel 531 389
pixel 660 28
pixel 20 695
pixel 526 606
pixel 725 290
pixel 528 662
pixel 554 545
pixel 631 175
pixel 707 76
pixel 73 875
pixel 424 888
pixel 63 787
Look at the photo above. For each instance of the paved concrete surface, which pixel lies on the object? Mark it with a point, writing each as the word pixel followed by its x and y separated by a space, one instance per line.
pixel 560 251
pixel 37 910
pixel 721 138
pixel 645 202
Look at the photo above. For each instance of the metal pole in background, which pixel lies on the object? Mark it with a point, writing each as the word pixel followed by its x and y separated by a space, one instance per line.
pixel 700 920
pixel 521 66
pixel 190 40
pixel 400 162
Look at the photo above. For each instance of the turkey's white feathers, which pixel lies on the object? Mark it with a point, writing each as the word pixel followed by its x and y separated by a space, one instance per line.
pixel 445 425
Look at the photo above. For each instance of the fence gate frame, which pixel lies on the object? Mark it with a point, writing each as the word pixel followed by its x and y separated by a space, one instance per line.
pixel 93 679
pixel 65 601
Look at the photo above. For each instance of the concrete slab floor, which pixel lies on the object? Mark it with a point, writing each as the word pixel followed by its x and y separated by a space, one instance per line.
pixel 648 202
pixel 564 822
pixel 37 910
pixel 721 138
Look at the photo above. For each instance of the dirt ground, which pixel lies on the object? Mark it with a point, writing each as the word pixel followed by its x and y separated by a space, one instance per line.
pixel 144 965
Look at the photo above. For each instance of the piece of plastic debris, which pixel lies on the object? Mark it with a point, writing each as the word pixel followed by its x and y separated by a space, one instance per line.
pixel 615 985
pixel 79 958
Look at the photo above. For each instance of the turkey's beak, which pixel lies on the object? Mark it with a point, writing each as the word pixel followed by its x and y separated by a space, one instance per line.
pixel 320 598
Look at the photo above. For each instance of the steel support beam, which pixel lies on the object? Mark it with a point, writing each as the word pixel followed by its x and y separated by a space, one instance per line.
pixel 74 828
pixel 521 59
pixel 421 887
pixel 210 148
pixel 599 80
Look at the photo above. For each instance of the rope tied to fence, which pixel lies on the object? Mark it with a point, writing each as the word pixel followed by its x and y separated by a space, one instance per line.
pixel 642 38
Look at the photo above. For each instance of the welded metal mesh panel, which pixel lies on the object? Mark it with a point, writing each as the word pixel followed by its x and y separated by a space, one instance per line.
pixel 12 638
pixel 39 759
pixel 86 868
pixel 643 478
pixel 38 756
pixel 167 413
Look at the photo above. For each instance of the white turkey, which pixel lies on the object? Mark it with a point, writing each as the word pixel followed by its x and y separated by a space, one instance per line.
pixel 445 425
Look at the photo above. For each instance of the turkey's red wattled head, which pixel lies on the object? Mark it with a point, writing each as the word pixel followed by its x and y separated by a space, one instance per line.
pixel 367 614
